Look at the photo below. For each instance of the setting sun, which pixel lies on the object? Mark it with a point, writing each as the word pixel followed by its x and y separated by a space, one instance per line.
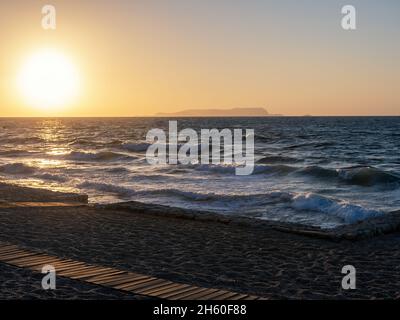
pixel 48 79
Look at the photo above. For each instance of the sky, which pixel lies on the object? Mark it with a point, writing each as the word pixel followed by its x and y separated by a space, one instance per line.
pixel 138 58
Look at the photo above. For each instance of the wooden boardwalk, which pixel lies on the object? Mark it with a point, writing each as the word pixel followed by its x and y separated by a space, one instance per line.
pixel 134 283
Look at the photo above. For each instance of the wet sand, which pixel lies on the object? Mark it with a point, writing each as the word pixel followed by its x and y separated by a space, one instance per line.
pixel 256 258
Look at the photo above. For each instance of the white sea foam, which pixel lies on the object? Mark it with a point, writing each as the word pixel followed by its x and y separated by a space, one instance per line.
pixel 349 213
pixel 310 202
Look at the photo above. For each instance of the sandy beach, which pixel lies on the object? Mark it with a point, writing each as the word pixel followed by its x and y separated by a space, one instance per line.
pixel 235 255
pixel 205 150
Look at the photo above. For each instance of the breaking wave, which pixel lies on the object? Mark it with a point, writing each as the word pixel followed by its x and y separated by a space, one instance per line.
pixel 362 176
pixel 349 213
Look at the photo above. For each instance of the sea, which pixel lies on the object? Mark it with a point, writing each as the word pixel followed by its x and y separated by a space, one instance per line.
pixel 320 171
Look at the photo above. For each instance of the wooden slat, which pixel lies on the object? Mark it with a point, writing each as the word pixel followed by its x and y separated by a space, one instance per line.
pixel 67 265
pixel 71 268
pixel 86 272
pixel 198 293
pixel 104 277
pixel 175 291
pixel 170 295
pixel 29 260
pixel 76 271
pixel 129 278
pixel 214 295
pixel 114 278
pixel 94 273
pixel 238 297
pixel 227 296
pixel 30 257
pixel 70 271
pixel 140 284
pixel 108 274
pixel 170 289
pixel 17 257
pixel 181 296
pixel 8 248
pixel 9 253
pixel 250 298
pixel 154 287
pixel 165 289
pixel 133 282
pixel 56 263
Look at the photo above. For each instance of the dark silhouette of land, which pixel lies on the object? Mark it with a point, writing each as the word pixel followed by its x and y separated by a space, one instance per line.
pixel 234 112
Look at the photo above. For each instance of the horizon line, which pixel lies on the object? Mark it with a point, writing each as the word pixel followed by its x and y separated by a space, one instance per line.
pixel 154 116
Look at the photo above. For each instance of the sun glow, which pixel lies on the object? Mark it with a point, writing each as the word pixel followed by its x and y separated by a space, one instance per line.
pixel 48 80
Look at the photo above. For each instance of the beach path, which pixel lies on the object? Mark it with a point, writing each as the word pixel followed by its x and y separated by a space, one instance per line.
pixel 138 284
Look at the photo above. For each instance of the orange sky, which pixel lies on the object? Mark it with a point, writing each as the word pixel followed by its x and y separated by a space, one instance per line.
pixel 140 58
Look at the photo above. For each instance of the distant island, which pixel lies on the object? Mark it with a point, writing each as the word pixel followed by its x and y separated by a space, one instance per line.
pixel 234 112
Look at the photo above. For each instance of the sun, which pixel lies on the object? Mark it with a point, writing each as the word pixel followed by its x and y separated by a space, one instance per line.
pixel 48 79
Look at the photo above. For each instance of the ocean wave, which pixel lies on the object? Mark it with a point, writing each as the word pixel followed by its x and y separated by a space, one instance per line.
pixel 231 168
pixel 199 196
pixel 367 176
pixel 81 142
pixel 91 143
pixel 23 140
pixel 277 196
pixel 136 147
pixel 118 170
pixel 127 191
pixel 362 176
pixel 194 196
pixel 17 153
pixel 189 195
pixel 263 138
pixel 143 146
pixel 267 169
pixel 17 168
pixel 26 170
pixel 96 156
pixel 278 159
pixel 311 144
pixel 349 213
pixel 51 177
pixel 106 187
pixel 318 172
